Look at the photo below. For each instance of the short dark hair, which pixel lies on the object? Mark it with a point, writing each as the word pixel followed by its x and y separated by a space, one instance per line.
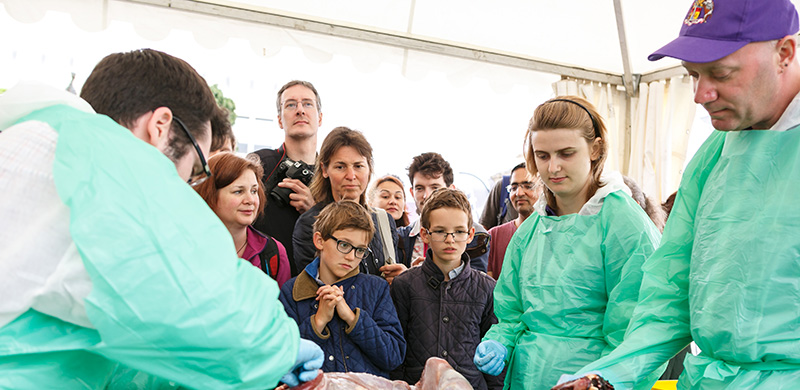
pixel 292 84
pixel 431 165
pixel 344 214
pixel 221 130
pixel 445 198
pixel 521 165
pixel 125 86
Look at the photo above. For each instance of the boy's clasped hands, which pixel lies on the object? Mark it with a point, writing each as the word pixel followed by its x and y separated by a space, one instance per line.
pixel 331 300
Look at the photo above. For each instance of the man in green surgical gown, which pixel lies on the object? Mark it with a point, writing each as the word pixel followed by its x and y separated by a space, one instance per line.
pixel 727 275
pixel 109 258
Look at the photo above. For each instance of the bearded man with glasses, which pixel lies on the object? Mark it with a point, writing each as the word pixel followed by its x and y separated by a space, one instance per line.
pixel 523 193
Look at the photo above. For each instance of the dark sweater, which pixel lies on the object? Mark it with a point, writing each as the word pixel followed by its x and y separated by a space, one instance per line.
pixel 446 319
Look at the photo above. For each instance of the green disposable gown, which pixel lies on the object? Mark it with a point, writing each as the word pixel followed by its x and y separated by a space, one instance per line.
pixel 169 297
pixel 567 289
pixel 728 273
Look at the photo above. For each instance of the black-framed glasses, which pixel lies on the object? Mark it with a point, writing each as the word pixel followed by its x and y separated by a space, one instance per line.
pixel 441 235
pixel 345 247
pixel 525 185
pixel 198 178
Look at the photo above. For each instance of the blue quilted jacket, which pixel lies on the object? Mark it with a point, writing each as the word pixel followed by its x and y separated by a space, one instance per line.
pixel 374 345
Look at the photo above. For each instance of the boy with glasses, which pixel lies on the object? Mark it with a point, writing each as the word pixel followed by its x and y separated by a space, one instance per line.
pixel 348 314
pixel 427 173
pixel 445 306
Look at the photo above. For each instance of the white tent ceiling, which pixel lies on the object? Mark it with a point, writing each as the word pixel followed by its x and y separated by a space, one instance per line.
pixel 458 77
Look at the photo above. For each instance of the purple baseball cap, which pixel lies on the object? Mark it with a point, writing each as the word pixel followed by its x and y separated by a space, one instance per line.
pixel 714 29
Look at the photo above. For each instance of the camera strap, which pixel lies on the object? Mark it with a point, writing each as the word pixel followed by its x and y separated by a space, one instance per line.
pixel 271 159
pixel 386 235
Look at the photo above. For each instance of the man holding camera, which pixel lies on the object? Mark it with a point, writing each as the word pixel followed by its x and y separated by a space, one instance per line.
pixel 288 169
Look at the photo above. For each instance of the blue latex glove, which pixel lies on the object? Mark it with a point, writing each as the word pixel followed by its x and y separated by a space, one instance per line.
pixel 309 360
pixel 490 357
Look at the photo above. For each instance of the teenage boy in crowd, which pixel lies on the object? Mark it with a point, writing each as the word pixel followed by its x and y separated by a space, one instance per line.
pixel 523 192
pixel 288 170
pixel 445 307
pixel 348 314
pixel 427 173
pixel 109 257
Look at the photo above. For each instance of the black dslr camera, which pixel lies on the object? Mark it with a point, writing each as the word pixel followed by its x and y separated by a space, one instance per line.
pixel 293 170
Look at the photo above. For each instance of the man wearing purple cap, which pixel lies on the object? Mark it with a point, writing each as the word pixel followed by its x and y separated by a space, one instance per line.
pixel 727 274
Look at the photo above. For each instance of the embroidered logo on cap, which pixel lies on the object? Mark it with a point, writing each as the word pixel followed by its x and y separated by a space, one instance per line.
pixel 700 11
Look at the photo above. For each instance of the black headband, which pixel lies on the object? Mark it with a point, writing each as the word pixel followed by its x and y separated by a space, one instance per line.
pixel 594 122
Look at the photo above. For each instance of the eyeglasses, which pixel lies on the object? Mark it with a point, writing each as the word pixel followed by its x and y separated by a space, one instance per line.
pixel 526 185
pixel 441 236
pixel 346 247
pixel 291 105
pixel 198 178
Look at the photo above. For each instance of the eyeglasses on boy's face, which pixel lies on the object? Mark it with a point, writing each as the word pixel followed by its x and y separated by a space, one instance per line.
pixel 441 235
pixel 525 185
pixel 199 177
pixel 346 247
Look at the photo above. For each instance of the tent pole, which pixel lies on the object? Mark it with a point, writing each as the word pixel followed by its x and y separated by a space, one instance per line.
pixel 411 11
pixel 626 145
pixel 631 85
pixel 629 81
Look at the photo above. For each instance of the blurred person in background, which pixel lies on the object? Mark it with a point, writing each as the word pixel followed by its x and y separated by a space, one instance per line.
pixel 387 193
pixel 650 206
pixel 497 210
pixel 524 191
pixel 222 139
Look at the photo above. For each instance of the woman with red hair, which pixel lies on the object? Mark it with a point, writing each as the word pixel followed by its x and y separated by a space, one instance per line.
pixel 235 194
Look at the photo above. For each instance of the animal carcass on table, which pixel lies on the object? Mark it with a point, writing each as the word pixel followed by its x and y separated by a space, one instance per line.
pixel 588 382
pixel 438 375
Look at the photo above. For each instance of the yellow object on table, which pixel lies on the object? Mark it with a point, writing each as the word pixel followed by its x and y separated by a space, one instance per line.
pixel 665 385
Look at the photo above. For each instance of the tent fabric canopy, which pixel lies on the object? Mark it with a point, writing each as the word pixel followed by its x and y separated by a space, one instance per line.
pixel 577 35
pixel 514 48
